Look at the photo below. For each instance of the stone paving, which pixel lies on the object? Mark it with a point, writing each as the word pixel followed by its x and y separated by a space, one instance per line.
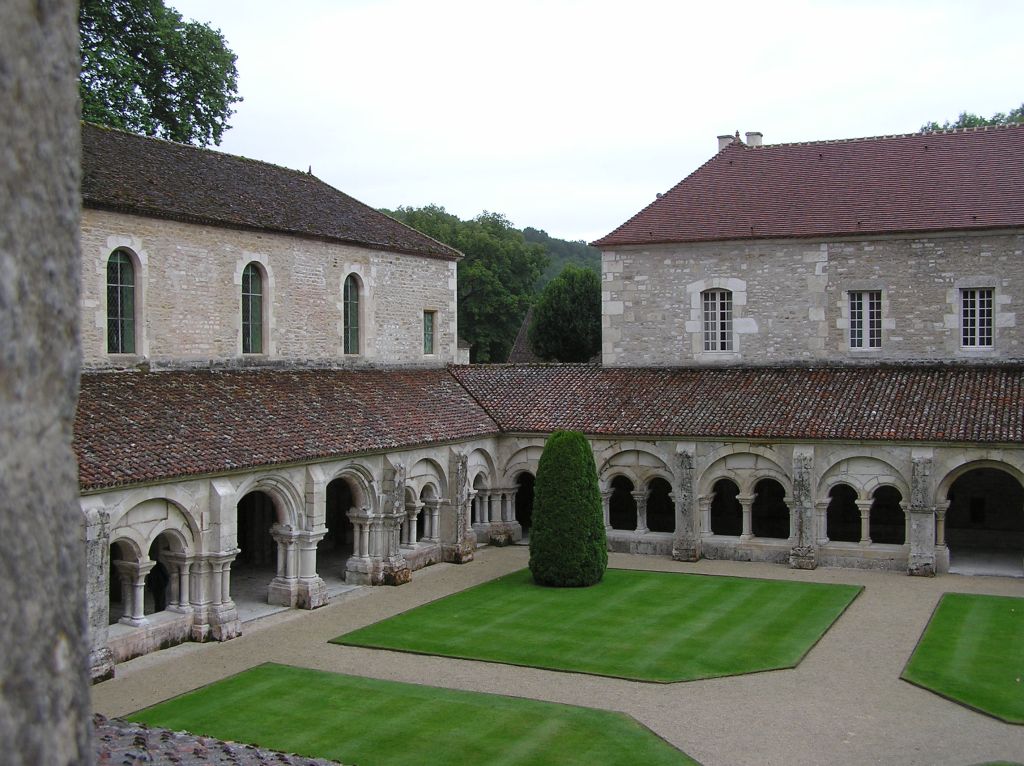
pixel 844 704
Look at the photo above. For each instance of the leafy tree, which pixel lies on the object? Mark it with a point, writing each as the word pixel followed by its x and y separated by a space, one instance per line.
pixel 146 70
pixel 566 325
pixel 561 252
pixel 968 120
pixel 568 546
pixel 496 278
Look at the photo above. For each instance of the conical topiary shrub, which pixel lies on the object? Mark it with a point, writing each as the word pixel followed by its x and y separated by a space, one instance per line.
pixel 568 547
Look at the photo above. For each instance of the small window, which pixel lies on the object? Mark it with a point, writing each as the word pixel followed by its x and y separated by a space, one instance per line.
pixel 866 319
pixel 350 310
pixel 717 320
pixel 976 311
pixel 120 304
pixel 252 310
pixel 428 331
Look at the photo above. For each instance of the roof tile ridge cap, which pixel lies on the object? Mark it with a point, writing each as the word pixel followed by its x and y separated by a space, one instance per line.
pixel 657 200
pixel 483 408
pixel 974 129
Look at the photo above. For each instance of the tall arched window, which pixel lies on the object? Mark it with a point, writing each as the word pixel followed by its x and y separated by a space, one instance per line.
pixel 351 315
pixel 252 310
pixel 717 320
pixel 120 304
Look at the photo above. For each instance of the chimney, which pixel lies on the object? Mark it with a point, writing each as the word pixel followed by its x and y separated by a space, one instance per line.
pixel 754 138
pixel 724 141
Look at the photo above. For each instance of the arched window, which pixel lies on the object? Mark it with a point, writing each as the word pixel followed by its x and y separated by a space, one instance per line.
pixel 120 304
pixel 252 310
pixel 717 320
pixel 351 315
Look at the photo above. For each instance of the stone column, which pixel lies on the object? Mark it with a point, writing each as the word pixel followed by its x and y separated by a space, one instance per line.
pixel 284 588
pixel 510 509
pixel 412 511
pixel 430 519
pixel 458 540
pixel 821 521
pixel 640 496
pixel 222 615
pixel 686 541
pixel 704 507
pixel 181 594
pixel 97 590
pixel 921 535
pixel 746 503
pixel 606 501
pixel 133 590
pixel 864 506
pixel 940 525
pixel 804 553
pixel 312 591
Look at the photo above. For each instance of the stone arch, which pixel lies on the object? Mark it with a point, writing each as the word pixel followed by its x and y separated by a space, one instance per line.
pixel 769 513
pixel 983 524
pixel 887 518
pixel 865 473
pixel 480 462
pixel 182 499
pixel 622 511
pixel 745 465
pixel 524 459
pixel 637 462
pixel 842 517
pixel 726 513
pixel 428 471
pixel 944 485
pixel 361 483
pixel 288 499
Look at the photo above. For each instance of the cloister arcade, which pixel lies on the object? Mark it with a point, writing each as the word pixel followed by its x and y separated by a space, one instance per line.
pixel 173 563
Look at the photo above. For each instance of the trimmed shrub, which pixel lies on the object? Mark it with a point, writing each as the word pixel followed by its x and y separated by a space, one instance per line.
pixel 568 547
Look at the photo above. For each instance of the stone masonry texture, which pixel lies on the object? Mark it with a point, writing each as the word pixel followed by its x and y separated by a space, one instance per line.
pixel 44 707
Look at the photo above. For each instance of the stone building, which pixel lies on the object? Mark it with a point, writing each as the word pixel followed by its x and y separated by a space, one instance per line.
pixel 270 396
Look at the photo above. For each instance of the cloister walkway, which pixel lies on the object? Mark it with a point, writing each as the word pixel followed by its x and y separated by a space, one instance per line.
pixel 844 704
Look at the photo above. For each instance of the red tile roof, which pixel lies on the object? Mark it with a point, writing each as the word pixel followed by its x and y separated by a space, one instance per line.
pixel 972 404
pixel 920 182
pixel 156 178
pixel 134 427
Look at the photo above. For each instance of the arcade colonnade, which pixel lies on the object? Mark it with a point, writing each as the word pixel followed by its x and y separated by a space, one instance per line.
pixel 161 557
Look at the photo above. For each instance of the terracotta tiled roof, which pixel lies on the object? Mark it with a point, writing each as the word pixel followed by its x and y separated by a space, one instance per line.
pixel 137 427
pixel 152 177
pixel 975 404
pixel 920 182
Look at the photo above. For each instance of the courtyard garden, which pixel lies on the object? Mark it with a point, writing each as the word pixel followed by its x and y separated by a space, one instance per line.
pixel 645 626
pixel 383 723
pixel 972 652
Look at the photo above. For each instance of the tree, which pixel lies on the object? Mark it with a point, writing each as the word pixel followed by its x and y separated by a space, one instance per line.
pixel 146 70
pixel 566 325
pixel 968 120
pixel 568 546
pixel 562 252
pixel 496 277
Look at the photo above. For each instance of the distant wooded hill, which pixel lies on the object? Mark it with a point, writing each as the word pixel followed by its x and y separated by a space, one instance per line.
pixel 560 252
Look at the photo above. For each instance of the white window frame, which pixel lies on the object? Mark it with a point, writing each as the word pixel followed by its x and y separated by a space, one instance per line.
pixel 717 320
pixel 977 317
pixel 865 319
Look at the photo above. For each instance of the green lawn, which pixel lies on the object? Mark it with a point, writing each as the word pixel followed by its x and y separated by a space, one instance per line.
pixel 648 626
pixel 973 653
pixel 376 723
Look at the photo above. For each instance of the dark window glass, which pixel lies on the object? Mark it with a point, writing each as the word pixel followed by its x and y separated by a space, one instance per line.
pixel 351 315
pixel 252 310
pixel 120 304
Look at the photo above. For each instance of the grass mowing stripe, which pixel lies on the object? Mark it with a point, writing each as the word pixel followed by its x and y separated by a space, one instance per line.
pixel 972 652
pixel 385 723
pixel 650 626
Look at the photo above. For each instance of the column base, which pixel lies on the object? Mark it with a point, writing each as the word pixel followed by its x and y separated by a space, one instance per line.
pixel 101 665
pixel 921 565
pixel 283 591
pixel 218 623
pixel 803 557
pixel 458 553
pixel 686 550
pixel 311 593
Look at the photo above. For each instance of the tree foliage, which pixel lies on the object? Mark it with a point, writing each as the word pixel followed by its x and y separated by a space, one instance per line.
pixel 148 71
pixel 566 324
pixel 561 252
pixel 568 546
pixel 969 120
pixel 496 277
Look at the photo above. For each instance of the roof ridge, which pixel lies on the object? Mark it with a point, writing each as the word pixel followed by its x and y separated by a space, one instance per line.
pixel 881 137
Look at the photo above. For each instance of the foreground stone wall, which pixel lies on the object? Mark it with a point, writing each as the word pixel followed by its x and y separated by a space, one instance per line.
pixel 44 706
pixel 188 296
pixel 790 298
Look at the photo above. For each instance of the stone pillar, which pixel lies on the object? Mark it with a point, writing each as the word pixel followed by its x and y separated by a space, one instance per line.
pixel 640 497
pixel 746 503
pixel 821 521
pixel 97 592
pixel 606 501
pixel 133 590
pixel 284 588
pixel 940 525
pixel 864 506
pixel 804 553
pixel 509 516
pixel 180 565
pixel 704 506
pixel 221 614
pixel 922 535
pixel 312 591
pixel 431 510
pixel 458 541
pixel 412 511
pixel 686 541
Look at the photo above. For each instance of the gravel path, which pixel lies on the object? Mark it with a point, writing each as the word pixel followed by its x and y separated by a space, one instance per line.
pixel 844 704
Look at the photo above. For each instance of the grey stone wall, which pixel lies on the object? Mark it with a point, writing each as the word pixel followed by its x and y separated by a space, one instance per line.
pixel 791 298
pixel 44 706
pixel 188 295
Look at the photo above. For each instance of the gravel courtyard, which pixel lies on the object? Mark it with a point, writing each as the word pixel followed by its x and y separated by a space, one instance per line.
pixel 844 704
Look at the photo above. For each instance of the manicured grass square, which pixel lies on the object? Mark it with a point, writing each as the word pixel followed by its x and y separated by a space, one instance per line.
pixel 972 652
pixel 648 626
pixel 380 723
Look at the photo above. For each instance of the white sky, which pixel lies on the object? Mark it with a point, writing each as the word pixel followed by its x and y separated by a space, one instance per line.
pixel 570 116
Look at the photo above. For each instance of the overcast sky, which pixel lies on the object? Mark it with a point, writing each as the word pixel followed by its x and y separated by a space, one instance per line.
pixel 570 116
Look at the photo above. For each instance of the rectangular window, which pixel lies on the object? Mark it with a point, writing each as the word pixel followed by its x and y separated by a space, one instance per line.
pixel 717 320
pixel 866 319
pixel 976 312
pixel 428 331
